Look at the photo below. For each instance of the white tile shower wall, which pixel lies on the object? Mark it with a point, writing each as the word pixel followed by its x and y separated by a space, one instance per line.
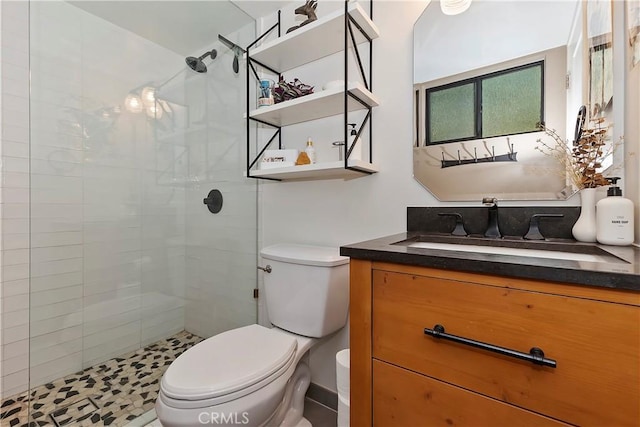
pixel 107 240
pixel 14 197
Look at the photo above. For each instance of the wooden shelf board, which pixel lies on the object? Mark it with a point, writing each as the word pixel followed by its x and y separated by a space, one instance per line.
pixel 313 41
pixel 329 170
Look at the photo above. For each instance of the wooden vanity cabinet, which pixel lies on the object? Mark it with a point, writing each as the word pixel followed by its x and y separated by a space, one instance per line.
pixel 401 376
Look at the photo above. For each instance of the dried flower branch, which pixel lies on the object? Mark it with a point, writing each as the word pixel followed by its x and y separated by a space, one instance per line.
pixel 583 160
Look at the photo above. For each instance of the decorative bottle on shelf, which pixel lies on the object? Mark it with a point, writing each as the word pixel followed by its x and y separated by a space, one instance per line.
pixel 614 217
pixel 311 152
pixel 584 230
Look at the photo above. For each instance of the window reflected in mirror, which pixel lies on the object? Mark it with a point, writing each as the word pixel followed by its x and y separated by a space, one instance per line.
pixel 505 102
pixel 451 113
pixel 512 101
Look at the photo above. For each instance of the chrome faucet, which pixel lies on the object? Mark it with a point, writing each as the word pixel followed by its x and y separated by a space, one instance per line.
pixel 493 227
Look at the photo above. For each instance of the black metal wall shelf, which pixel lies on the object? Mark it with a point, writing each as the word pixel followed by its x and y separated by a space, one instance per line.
pixel 315 106
pixel 330 34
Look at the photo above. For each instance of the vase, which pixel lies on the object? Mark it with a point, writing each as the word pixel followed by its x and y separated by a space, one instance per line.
pixel 584 230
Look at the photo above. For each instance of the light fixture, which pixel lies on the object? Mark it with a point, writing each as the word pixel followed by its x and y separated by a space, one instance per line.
pixel 148 95
pixel 133 103
pixel 154 111
pixel 165 106
pixel 454 7
pixel 143 98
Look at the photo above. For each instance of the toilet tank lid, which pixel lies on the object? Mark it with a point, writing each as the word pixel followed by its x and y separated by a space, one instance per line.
pixel 320 256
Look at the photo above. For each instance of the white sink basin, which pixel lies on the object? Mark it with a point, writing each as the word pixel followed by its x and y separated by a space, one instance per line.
pixel 535 253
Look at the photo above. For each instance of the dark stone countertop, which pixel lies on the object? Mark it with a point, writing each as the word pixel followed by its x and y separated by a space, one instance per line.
pixel 622 273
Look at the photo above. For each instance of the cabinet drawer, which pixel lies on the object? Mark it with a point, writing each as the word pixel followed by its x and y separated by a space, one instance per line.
pixel 403 398
pixel 596 345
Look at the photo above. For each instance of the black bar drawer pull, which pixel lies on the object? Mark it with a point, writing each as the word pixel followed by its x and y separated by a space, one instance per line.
pixel 535 355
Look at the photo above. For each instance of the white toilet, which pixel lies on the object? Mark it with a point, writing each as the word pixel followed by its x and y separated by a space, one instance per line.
pixel 256 376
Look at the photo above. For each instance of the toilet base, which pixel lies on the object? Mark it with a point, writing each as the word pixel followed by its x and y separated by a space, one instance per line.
pixel 290 412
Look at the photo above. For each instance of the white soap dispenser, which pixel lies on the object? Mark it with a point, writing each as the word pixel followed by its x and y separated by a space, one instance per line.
pixel 356 153
pixel 614 217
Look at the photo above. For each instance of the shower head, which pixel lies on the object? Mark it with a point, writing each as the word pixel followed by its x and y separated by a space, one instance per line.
pixel 197 64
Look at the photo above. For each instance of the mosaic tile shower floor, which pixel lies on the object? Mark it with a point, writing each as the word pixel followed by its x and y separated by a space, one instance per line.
pixel 109 394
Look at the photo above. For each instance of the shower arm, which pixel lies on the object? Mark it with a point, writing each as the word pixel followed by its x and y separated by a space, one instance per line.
pixel 204 55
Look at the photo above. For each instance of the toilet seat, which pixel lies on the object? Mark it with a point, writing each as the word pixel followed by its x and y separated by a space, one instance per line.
pixel 230 365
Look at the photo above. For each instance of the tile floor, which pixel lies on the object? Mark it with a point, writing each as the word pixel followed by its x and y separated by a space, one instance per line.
pixel 109 394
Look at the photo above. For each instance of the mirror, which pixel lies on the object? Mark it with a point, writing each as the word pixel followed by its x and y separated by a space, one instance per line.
pixel 492 39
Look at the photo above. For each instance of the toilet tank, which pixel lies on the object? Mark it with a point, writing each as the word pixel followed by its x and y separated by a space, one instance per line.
pixel 307 291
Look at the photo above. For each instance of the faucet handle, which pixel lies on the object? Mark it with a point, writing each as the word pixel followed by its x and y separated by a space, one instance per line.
pixel 459 230
pixel 534 230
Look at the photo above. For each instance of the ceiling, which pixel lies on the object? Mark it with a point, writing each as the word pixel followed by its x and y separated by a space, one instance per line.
pixel 259 8
pixel 184 27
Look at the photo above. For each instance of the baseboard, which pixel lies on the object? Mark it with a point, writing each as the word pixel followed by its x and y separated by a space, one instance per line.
pixel 323 396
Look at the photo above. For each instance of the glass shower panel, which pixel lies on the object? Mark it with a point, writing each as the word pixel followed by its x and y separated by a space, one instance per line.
pixel 57 192
pixel 220 248
pixel 126 142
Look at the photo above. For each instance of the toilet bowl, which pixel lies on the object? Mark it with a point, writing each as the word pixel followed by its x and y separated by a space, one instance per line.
pixel 258 376
pixel 238 377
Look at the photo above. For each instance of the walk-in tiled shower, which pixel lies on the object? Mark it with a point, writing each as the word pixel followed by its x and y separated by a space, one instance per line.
pixel 111 264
